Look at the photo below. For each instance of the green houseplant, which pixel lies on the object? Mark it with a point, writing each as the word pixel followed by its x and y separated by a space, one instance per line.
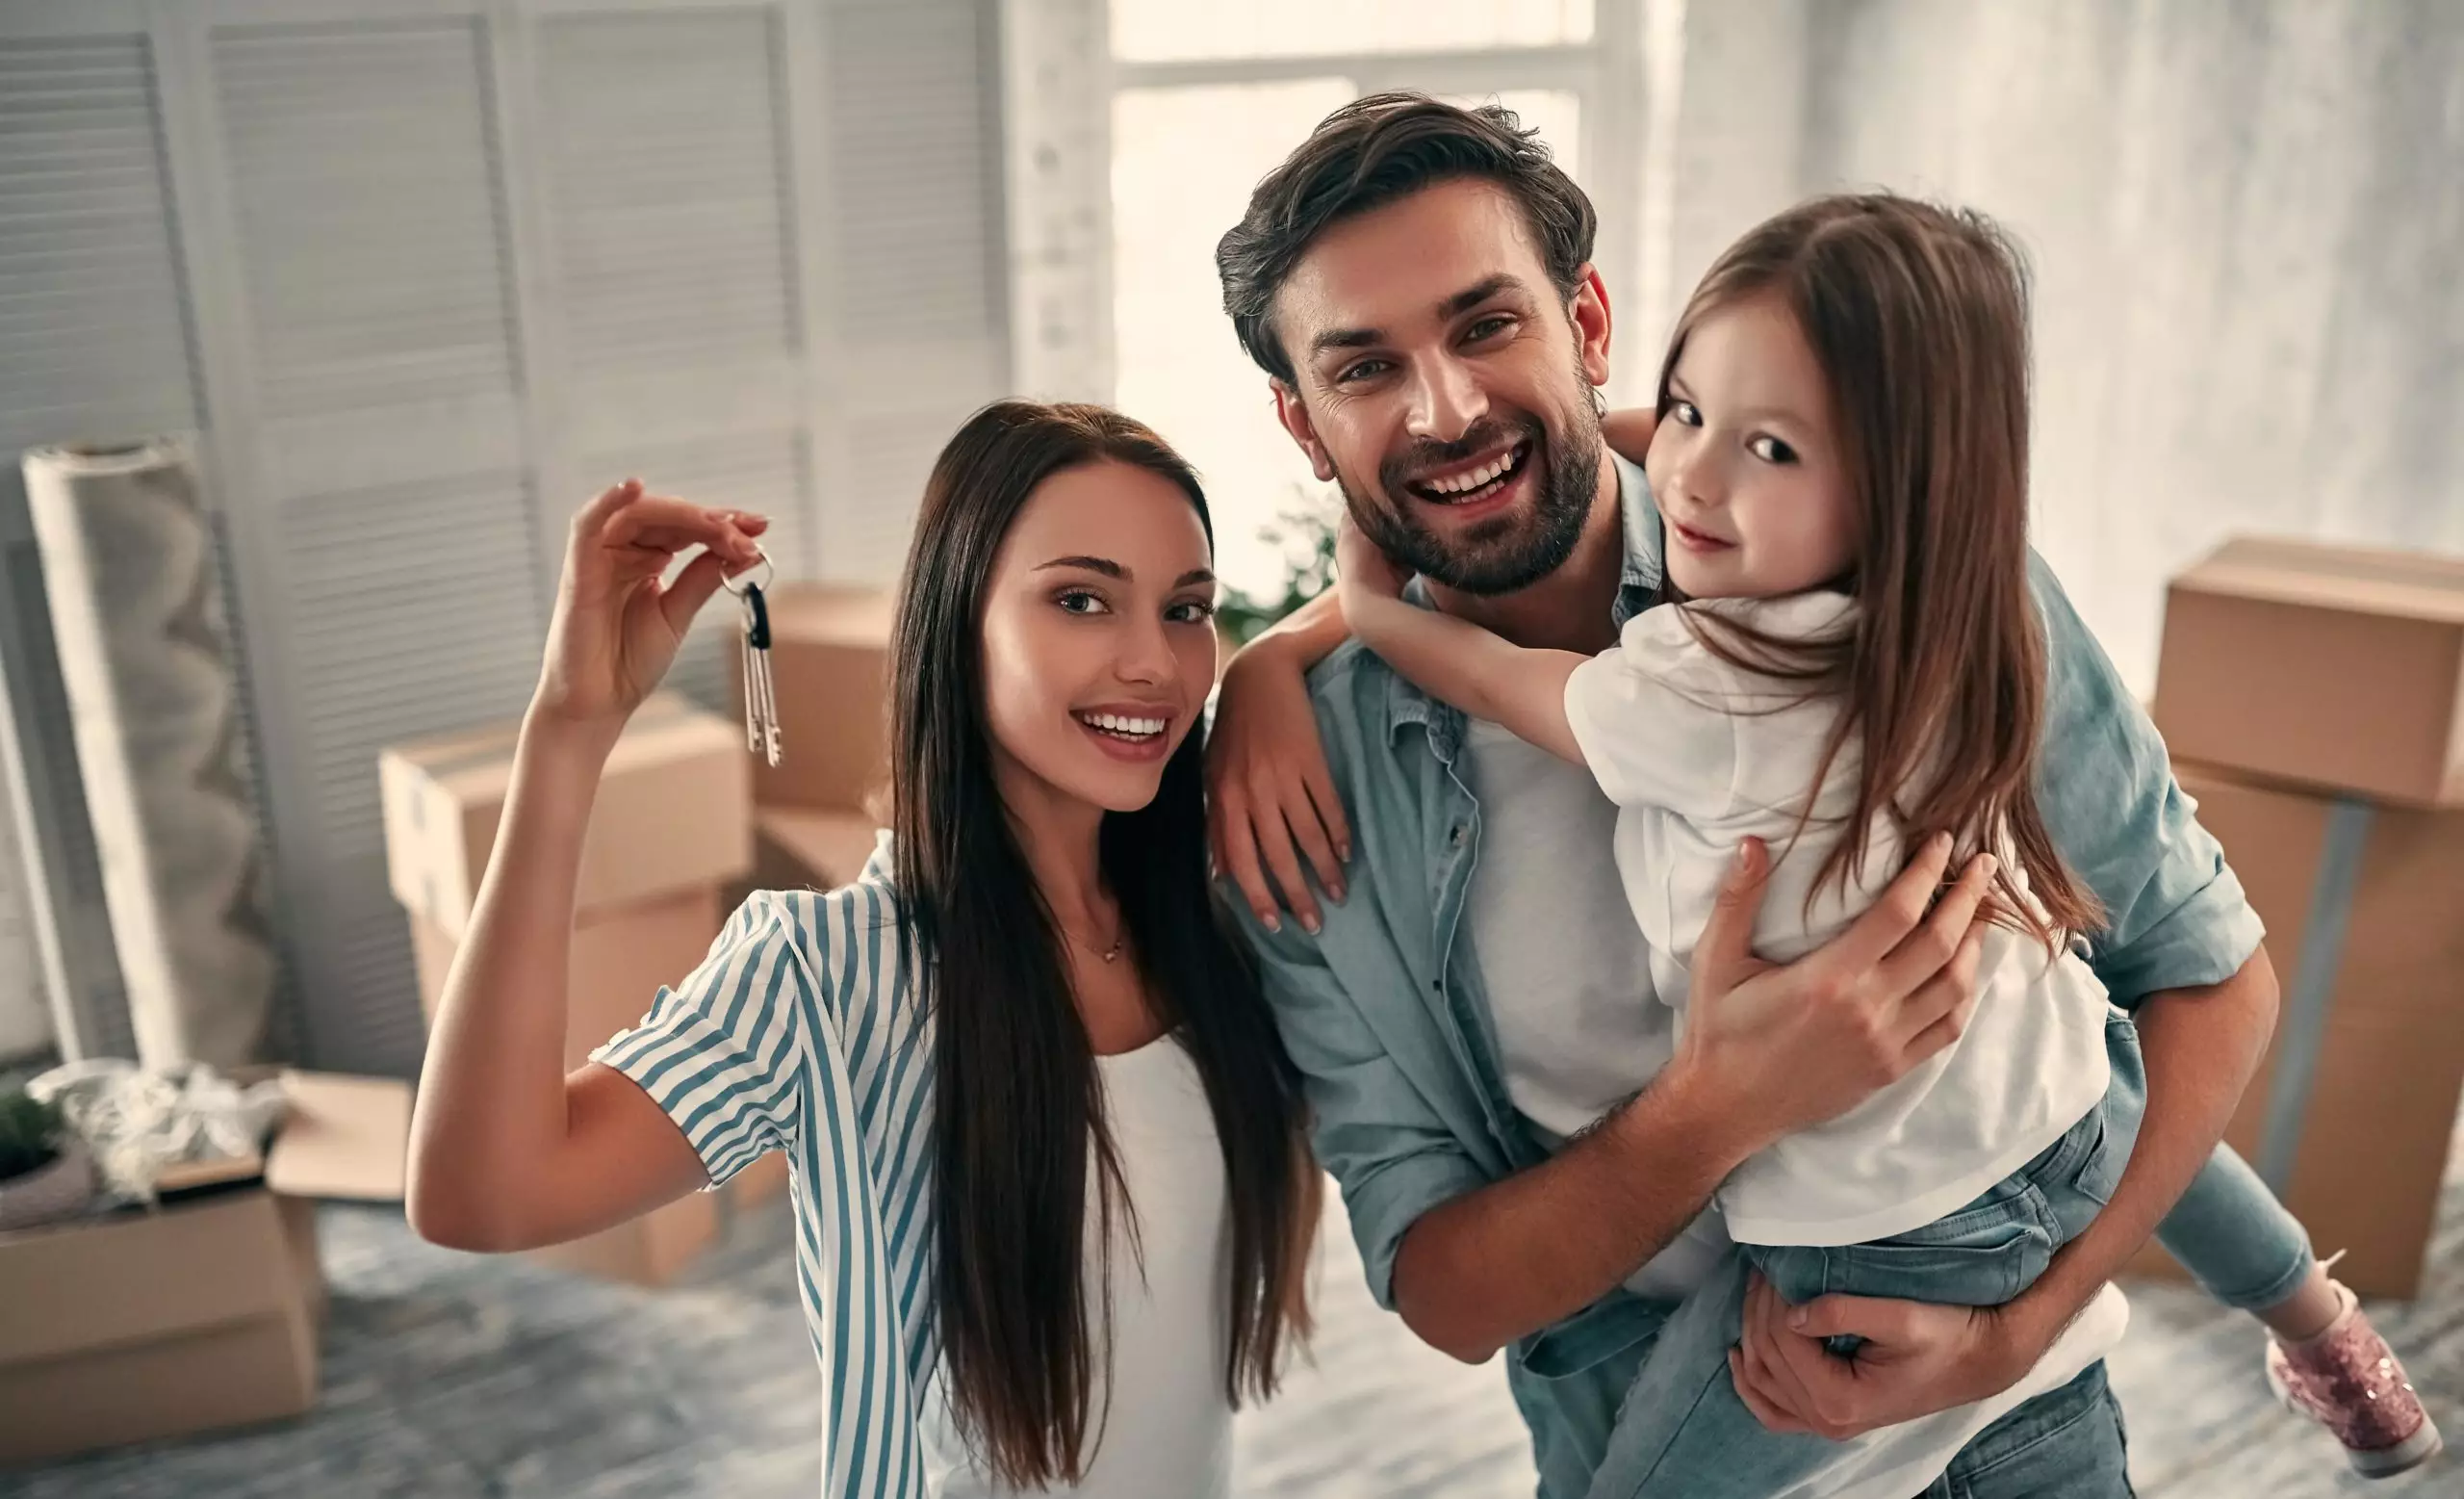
pixel 45 1173
pixel 1305 530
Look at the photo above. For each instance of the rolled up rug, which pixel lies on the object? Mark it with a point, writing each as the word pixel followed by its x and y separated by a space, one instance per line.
pixel 154 703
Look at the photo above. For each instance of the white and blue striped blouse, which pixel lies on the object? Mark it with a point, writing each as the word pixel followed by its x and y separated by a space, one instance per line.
pixel 800 1033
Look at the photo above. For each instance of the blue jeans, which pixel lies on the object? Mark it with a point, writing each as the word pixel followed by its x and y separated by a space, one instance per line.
pixel 1682 1432
pixel 2235 1238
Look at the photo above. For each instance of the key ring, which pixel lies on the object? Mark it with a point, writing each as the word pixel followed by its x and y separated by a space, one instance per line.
pixel 738 583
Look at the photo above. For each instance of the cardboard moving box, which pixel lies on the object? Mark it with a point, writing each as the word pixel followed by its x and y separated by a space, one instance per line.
pixel 2335 666
pixel 797 849
pixel 202 1313
pixel 2351 1114
pixel 673 811
pixel 618 958
pixel 829 666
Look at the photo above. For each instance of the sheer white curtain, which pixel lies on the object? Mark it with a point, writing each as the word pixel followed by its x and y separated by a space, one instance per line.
pixel 2246 224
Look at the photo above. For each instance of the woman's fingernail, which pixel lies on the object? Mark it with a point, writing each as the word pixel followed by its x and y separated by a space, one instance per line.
pixel 1343 851
pixel 1266 919
pixel 1993 865
pixel 1309 924
pixel 1336 890
pixel 1796 1317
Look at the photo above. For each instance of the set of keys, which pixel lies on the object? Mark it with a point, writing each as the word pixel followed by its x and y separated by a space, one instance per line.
pixel 760 694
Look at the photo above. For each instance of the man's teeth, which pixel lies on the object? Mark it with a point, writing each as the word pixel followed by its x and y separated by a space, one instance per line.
pixel 1114 723
pixel 1487 473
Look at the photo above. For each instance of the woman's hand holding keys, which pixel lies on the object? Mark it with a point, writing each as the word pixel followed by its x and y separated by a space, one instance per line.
pixel 616 627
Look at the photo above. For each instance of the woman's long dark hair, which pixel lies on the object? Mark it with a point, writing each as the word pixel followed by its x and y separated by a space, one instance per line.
pixel 1018 1112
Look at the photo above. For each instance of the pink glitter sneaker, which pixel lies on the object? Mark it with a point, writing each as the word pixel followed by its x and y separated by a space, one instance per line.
pixel 2348 1379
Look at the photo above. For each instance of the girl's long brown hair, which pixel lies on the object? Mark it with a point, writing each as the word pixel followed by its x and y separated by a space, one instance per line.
pixel 1018 1112
pixel 1919 316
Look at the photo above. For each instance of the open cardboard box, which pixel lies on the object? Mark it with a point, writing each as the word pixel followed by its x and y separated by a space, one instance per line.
pixel 202 1313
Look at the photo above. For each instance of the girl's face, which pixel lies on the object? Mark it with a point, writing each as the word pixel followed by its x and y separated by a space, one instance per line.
pixel 1745 465
pixel 1098 636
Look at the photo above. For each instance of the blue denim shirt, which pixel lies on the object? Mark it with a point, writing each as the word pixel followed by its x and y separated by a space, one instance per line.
pixel 1387 1014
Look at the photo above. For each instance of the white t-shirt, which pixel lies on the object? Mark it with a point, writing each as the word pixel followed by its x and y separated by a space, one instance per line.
pixel 1699 753
pixel 1168 1429
pixel 1568 977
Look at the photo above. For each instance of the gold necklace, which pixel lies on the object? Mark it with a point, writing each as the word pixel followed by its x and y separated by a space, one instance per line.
pixel 1114 951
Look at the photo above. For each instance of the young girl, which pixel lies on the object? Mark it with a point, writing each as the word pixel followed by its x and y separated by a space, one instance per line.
pixel 1052 1198
pixel 1853 665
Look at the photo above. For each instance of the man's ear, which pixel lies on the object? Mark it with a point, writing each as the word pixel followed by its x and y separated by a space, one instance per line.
pixel 1294 417
pixel 1588 312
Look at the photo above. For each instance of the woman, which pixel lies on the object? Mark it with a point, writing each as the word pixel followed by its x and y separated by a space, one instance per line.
pixel 1045 1146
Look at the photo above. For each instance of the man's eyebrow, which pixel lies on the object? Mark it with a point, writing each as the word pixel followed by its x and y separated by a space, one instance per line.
pixel 1344 338
pixel 1456 305
pixel 1472 296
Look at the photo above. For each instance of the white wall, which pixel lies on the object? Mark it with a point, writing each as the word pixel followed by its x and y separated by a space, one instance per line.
pixel 2246 224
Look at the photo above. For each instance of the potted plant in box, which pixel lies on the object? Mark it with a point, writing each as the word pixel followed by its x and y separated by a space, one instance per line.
pixel 45 1174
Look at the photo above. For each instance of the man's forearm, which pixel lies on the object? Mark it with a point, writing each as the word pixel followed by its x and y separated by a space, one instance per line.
pixel 2201 1046
pixel 1501 1263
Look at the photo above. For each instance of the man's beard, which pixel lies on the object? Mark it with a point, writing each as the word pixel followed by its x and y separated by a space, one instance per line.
pixel 1506 553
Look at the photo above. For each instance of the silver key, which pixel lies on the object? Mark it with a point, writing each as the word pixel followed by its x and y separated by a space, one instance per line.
pixel 760 694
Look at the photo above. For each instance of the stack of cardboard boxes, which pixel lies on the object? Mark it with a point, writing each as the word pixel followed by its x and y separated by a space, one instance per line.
pixel 817 812
pixel 2313 700
pixel 670 830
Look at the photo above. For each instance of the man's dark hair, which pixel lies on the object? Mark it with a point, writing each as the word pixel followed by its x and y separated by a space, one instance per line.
pixel 1378 150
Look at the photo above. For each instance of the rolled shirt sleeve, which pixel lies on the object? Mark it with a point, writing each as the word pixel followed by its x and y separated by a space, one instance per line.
pixel 1392 1155
pixel 2177 916
pixel 721 1050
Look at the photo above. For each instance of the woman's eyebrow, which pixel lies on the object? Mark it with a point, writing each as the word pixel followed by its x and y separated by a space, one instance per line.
pixel 1094 564
pixel 1111 569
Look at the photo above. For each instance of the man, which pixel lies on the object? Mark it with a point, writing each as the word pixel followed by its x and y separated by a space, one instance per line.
pixel 1416 282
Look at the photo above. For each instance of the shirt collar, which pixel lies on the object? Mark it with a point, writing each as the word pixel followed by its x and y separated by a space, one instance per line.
pixel 1638 583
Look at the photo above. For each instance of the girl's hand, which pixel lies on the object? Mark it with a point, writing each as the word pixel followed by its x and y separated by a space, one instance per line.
pixel 1629 432
pixel 1271 801
pixel 1360 563
pixel 616 627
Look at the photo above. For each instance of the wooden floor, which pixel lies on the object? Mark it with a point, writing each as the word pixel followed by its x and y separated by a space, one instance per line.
pixel 451 1376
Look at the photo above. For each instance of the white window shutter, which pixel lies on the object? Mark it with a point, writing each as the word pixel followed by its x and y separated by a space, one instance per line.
pixel 660 175
pixel 446 267
pixel 917 303
pixel 379 478
pixel 96 347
